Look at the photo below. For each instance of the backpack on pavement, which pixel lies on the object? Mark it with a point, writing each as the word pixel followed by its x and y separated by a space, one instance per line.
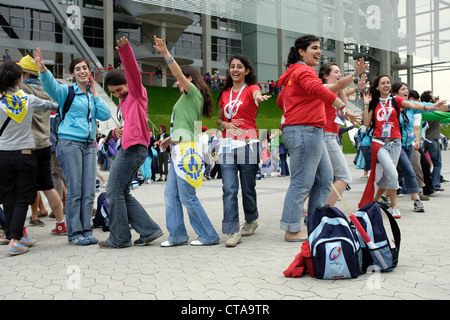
pixel 334 246
pixel 101 218
pixel 382 254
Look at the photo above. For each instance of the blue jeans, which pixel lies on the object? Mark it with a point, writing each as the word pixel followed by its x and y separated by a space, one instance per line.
pixel 406 170
pixel 434 149
pixel 283 160
pixel 124 208
pixel 78 161
pixel 311 173
pixel 179 193
pixel 367 154
pixel 388 156
pixel 230 186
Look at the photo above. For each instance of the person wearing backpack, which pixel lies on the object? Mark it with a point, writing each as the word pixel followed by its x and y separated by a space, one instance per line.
pixel 134 139
pixel 18 161
pixel 76 151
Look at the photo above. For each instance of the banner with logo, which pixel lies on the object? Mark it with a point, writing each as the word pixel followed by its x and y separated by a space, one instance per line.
pixel 15 106
pixel 188 162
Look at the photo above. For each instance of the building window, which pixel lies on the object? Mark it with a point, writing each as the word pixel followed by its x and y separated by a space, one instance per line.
pixel 223 49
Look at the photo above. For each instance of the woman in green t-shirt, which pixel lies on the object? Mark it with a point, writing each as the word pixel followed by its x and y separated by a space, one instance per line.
pixel 185 172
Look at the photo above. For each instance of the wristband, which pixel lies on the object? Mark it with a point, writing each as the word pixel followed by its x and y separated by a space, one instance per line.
pixel 170 60
pixel 342 106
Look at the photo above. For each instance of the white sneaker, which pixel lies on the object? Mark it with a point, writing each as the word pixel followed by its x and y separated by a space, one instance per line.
pixel 396 213
pixel 170 244
pixel 196 243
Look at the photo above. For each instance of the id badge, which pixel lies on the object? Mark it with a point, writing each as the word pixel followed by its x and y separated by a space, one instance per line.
pixel 412 136
pixel 226 145
pixel 386 131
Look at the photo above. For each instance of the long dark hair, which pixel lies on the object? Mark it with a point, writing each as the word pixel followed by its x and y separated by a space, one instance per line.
pixel 250 78
pixel 10 73
pixel 301 43
pixel 375 94
pixel 325 70
pixel 201 84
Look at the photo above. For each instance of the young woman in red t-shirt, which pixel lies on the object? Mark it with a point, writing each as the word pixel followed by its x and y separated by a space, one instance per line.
pixel 382 114
pixel 239 150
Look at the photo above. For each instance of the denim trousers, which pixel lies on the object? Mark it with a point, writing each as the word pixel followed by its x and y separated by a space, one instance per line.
pixel 283 160
pixel 78 161
pixel 179 193
pixel 367 154
pixel 434 149
pixel 124 209
pixel 230 186
pixel 311 173
pixel 406 170
pixel 388 157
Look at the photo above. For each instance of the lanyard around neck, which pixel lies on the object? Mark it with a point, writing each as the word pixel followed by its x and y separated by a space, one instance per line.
pixel 232 102
pixel 388 111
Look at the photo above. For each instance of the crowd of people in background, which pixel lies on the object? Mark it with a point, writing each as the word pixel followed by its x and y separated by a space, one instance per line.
pixel 50 141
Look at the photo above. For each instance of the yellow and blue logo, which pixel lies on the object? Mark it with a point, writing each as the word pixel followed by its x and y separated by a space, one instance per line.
pixel 191 164
pixel 15 105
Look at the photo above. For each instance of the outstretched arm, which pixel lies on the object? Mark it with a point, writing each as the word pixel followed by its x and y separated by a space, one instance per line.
pixel 161 47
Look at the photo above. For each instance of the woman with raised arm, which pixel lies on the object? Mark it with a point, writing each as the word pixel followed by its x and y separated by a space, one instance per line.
pixel 303 100
pixel 382 113
pixel 76 150
pixel 239 152
pixel 185 172
pixel 133 139
pixel 330 74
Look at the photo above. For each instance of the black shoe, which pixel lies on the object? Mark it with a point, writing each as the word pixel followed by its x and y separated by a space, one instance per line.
pixel 104 245
pixel 438 189
pixel 139 242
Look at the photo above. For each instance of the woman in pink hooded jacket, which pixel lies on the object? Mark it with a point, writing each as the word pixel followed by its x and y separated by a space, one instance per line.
pixel 133 139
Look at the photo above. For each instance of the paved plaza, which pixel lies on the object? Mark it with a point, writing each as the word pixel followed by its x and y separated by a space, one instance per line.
pixel 55 270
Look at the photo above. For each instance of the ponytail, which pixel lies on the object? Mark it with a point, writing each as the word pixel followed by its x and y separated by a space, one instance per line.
pixel 301 43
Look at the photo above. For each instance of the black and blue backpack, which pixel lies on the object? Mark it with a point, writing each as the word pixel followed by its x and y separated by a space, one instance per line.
pixel 101 218
pixel 334 246
pixel 383 256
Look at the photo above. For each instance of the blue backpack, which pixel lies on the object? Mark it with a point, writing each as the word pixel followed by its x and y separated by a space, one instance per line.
pixel 101 218
pixel 384 256
pixel 335 249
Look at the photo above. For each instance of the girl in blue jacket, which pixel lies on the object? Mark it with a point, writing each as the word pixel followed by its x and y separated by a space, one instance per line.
pixel 76 150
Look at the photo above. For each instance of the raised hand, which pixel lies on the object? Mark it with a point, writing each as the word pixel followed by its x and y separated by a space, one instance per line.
pixel 360 67
pixel 122 42
pixel 362 82
pixel 160 45
pixel 39 61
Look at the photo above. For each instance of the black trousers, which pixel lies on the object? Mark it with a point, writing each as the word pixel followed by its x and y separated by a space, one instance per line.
pixel 426 170
pixel 18 173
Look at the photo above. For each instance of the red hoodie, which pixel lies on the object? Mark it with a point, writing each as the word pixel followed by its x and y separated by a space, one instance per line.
pixel 304 96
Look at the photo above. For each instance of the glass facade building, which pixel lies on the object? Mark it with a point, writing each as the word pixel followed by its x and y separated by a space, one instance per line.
pixel 400 37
